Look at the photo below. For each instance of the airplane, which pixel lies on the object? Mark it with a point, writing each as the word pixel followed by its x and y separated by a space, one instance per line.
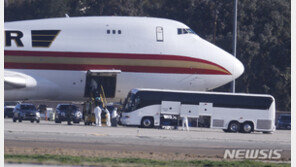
pixel 56 59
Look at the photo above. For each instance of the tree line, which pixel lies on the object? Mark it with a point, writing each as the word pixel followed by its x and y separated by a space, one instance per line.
pixel 263 40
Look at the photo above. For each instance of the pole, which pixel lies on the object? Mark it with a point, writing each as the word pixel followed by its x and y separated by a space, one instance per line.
pixel 234 39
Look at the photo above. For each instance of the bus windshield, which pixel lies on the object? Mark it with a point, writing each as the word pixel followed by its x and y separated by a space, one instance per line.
pixel 131 102
pixel 128 103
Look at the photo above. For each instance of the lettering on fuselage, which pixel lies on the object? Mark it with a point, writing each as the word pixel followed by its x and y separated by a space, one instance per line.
pixel 40 38
pixel 14 36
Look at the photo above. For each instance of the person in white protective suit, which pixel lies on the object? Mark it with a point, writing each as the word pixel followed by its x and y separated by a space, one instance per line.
pixel 114 116
pixel 185 123
pixel 108 120
pixel 98 112
pixel 114 113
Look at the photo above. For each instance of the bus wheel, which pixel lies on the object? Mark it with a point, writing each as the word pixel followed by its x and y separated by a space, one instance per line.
pixel 233 127
pixel 147 122
pixel 247 127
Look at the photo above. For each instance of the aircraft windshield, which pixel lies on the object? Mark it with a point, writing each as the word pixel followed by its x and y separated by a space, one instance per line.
pixel 185 31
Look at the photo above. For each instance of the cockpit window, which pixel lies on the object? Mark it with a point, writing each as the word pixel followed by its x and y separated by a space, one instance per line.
pixel 185 31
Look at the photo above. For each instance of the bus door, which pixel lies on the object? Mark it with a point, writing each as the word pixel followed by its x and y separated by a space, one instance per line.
pixel 98 80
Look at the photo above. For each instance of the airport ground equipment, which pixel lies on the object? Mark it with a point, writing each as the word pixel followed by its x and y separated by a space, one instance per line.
pixel 98 94
pixel 227 111
pixel 88 113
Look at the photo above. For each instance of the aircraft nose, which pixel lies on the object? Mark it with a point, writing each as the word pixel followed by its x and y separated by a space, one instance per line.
pixel 238 69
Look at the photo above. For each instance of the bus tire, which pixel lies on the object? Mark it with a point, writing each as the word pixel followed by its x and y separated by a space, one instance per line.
pixel 233 127
pixel 147 122
pixel 247 127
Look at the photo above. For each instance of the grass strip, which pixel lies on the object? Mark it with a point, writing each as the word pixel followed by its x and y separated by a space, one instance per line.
pixel 81 160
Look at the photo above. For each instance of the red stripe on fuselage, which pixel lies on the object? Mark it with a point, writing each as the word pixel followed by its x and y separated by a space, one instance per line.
pixel 78 67
pixel 110 55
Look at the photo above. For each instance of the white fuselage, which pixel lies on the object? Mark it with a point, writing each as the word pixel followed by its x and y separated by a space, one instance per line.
pixel 148 51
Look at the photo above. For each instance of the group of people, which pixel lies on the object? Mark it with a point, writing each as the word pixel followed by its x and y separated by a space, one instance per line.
pixel 98 111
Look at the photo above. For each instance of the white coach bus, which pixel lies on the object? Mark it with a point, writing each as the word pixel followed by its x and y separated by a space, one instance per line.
pixel 228 111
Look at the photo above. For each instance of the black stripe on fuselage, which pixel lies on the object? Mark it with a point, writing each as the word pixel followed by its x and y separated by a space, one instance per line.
pixel 43 38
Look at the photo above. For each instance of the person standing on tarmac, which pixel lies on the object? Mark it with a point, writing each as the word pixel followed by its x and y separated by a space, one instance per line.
pixel 114 116
pixel 98 112
pixel 185 123
pixel 108 121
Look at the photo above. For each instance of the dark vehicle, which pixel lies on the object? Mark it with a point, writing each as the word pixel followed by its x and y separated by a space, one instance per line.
pixel 8 112
pixel 284 121
pixel 11 103
pixel 26 111
pixel 67 112
pixel 8 108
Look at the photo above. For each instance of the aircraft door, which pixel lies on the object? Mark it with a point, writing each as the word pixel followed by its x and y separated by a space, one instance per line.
pixel 159 34
pixel 98 82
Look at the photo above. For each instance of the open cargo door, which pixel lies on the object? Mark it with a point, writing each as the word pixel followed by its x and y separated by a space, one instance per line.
pixel 97 79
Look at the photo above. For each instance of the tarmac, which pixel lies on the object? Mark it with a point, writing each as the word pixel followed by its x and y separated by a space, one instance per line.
pixel 77 139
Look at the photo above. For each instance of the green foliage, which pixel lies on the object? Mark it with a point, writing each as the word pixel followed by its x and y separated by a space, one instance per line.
pixel 94 161
pixel 264 31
